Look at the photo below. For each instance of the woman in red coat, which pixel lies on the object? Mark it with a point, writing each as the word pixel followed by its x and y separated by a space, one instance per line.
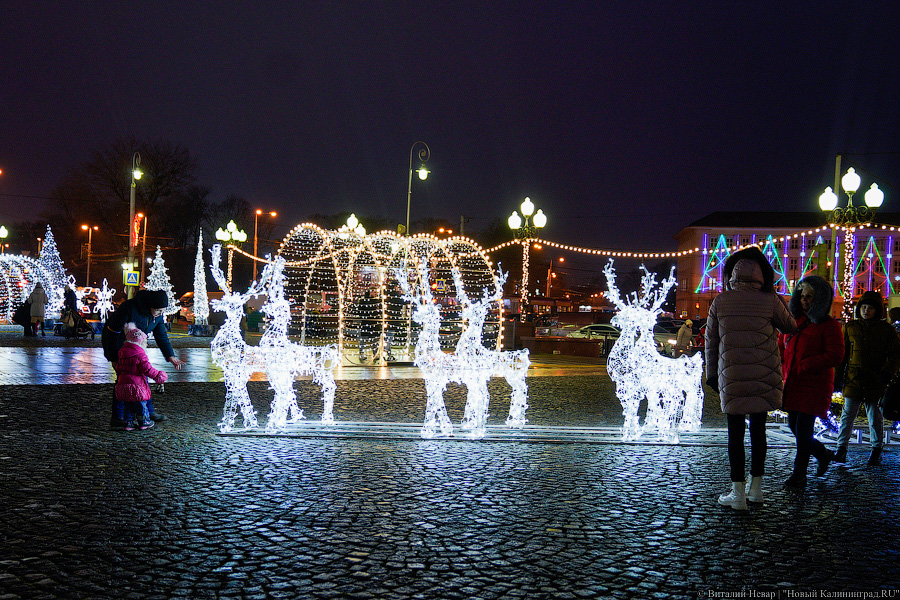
pixel 810 355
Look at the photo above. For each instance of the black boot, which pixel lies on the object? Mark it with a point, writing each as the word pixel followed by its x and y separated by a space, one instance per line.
pixel 875 457
pixel 841 455
pixel 796 481
pixel 824 462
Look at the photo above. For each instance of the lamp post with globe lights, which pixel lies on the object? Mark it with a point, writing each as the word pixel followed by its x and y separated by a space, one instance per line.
pixel 525 229
pixel 4 233
pixel 850 218
pixel 231 234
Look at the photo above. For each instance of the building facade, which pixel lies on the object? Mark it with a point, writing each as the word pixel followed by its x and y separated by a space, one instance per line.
pixel 797 244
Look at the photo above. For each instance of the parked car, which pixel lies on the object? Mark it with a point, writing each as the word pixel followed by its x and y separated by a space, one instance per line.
pixel 665 340
pixel 186 304
pixel 595 331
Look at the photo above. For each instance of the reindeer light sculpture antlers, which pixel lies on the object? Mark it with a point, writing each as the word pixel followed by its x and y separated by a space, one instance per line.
pixel 672 387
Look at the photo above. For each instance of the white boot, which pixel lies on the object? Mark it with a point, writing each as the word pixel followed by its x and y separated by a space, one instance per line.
pixel 736 499
pixel 754 490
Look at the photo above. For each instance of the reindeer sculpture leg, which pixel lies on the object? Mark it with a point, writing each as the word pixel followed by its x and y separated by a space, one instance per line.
pixel 435 410
pixel 236 378
pixel 476 412
pixel 514 371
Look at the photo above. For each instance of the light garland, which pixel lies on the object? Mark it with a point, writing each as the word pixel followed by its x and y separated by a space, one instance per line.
pixel 159 280
pixel 18 275
pixel 55 280
pixel 343 288
pixel 201 300
pixel 672 386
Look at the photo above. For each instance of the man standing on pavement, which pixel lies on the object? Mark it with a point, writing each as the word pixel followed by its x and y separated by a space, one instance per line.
pixel 145 310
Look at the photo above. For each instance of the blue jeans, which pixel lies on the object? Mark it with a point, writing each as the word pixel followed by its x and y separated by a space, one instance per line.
pixel 848 415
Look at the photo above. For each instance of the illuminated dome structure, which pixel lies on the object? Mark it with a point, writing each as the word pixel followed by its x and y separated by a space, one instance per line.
pixel 342 287
pixel 18 275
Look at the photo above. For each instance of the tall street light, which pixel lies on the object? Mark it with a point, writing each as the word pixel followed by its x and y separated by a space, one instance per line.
pixel 850 218
pixel 424 155
pixel 259 211
pixel 136 174
pixel 551 274
pixel 231 234
pixel 90 230
pixel 525 230
pixel 4 233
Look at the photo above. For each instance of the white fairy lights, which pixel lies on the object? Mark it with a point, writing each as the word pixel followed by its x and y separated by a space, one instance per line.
pixel 280 359
pixel 672 387
pixel 159 280
pixel 201 300
pixel 104 300
pixel 472 364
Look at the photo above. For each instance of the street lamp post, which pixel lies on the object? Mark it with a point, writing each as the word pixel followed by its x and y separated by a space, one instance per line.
pixel 132 241
pixel 256 236
pixel 551 274
pixel 231 234
pixel 90 231
pixel 850 218
pixel 525 230
pixel 4 233
pixel 424 155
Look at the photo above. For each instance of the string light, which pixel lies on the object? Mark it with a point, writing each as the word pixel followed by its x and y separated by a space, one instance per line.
pixel 201 300
pixel 159 280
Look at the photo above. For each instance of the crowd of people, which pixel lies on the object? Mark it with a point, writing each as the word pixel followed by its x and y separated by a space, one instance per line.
pixel 765 354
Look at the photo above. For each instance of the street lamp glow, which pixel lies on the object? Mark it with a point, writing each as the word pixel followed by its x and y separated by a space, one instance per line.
pixel 874 197
pixel 527 207
pixel 424 154
pixel 828 200
pixel 423 173
pixel 540 219
pixel 850 181
pixel 514 221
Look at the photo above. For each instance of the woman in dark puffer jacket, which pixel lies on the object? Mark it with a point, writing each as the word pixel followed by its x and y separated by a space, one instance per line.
pixel 810 355
pixel 743 363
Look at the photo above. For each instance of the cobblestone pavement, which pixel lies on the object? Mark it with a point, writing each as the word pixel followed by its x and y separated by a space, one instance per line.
pixel 179 511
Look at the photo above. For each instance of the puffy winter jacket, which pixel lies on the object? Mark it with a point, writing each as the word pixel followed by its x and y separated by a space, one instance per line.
pixel 811 353
pixel 133 368
pixel 871 353
pixel 741 343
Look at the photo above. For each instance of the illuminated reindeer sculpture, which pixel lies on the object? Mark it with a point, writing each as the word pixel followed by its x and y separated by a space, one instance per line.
pixel 285 360
pixel 672 386
pixel 229 351
pixel 472 364
pixel 479 364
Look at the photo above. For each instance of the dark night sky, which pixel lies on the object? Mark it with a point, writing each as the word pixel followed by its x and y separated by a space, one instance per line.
pixel 624 121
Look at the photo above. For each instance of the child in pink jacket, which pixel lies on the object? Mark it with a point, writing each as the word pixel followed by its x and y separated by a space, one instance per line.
pixel 132 369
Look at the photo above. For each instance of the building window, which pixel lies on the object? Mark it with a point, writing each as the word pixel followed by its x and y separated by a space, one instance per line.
pixel 794 264
pixel 745 241
pixel 795 243
pixel 729 241
pixel 897 267
pixel 876 266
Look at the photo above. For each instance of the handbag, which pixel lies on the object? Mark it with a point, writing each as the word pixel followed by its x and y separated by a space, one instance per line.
pixel 69 319
pixel 890 401
pixel 22 316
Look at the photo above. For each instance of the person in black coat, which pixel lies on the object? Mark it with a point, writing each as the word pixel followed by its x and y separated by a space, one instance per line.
pixel 145 310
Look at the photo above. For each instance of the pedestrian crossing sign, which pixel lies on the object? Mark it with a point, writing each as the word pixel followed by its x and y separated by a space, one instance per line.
pixel 440 285
pixel 131 277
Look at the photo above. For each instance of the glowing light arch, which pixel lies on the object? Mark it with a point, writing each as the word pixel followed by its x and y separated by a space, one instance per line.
pixel 18 275
pixel 343 289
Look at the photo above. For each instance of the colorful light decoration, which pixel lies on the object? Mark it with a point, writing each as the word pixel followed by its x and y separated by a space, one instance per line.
pixel 18 276
pixel 55 275
pixel 672 386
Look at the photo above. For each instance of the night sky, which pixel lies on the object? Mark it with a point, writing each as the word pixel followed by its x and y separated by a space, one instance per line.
pixel 623 121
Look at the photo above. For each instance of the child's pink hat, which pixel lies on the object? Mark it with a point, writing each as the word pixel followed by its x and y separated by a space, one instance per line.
pixel 134 335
